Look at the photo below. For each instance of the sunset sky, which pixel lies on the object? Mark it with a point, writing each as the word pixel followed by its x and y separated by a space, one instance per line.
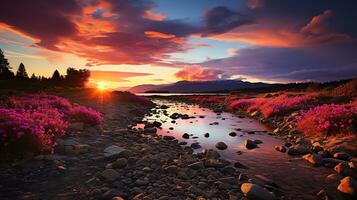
pixel 126 43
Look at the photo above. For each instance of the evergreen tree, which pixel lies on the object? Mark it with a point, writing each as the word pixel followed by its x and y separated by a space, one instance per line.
pixel 5 71
pixel 56 75
pixel 21 72
pixel 33 76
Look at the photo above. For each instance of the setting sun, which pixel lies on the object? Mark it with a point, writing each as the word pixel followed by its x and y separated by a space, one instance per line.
pixel 101 86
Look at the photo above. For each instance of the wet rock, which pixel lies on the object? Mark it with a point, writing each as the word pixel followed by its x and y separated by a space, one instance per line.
pixel 206 135
pixel 332 178
pixel 120 163
pixel 211 154
pixel 280 148
pixel 233 134
pixel 299 150
pixel 112 151
pixel 342 156
pixel 110 174
pixel 249 144
pixel 221 146
pixel 240 165
pixel 258 141
pixel 182 143
pixel 344 170
pixel 251 132
pixel 348 185
pixel 195 145
pixel 287 144
pixel 256 192
pixel 186 136
pixel 314 159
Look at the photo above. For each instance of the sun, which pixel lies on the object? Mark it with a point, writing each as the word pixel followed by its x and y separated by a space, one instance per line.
pixel 101 86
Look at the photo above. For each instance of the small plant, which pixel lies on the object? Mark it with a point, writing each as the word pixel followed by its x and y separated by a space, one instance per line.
pixel 84 114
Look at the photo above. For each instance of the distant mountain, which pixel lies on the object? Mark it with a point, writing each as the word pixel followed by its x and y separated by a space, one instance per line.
pixel 199 86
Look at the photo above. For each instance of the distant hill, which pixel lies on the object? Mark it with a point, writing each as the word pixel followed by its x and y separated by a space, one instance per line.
pixel 199 86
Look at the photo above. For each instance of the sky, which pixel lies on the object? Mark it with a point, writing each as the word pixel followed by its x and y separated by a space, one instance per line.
pixel 127 43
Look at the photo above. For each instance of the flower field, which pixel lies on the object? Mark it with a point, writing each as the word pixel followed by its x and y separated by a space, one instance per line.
pixel 29 123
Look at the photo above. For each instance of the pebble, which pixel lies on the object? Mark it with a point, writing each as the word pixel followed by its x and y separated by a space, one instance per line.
pixel 256 192
pixel 221 146
pixel 348 185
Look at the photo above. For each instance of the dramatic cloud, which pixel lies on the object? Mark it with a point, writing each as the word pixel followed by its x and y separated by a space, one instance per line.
pixel 288 40
pixel 221 19
pixel 198 73
pixel 319 63
pixel 114 76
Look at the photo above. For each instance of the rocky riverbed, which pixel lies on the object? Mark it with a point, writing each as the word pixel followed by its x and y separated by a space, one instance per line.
pixel 121 161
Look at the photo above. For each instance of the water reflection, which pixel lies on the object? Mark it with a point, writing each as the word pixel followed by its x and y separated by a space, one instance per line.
pixel 291 173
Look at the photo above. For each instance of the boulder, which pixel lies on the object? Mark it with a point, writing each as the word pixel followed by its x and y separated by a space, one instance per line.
pixel 256 192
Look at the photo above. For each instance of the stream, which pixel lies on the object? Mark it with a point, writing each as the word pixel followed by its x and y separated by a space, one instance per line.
pixel 294 176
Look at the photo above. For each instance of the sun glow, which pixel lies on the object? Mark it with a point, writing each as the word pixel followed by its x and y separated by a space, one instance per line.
pixel 101 86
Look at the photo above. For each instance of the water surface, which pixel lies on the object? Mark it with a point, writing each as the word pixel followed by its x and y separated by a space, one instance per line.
pixel 296 177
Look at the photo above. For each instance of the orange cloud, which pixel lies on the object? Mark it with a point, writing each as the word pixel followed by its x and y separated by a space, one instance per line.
pixel 154 16
pixel 199 73
pixel 154 34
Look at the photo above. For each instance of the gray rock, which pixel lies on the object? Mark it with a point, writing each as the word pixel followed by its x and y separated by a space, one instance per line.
pixel 120 163
pixel 112 151
pixel 110 174
pixel 195 145
pixel 256 192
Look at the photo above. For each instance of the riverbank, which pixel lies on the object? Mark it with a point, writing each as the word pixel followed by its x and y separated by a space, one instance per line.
pixel 336 151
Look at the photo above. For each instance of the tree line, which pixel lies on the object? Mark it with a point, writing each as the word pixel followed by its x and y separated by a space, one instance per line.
pixel 72 78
